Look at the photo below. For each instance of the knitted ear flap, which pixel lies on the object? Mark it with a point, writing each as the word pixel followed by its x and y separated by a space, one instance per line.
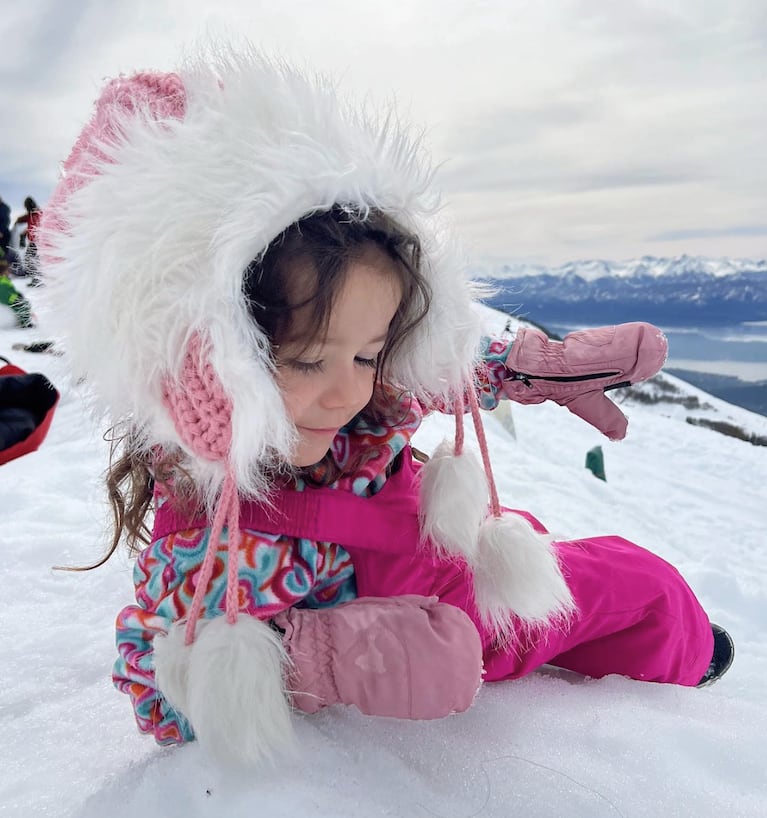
pixel 229 682
pixel 198 405
pixel 202 415
pixel 517 577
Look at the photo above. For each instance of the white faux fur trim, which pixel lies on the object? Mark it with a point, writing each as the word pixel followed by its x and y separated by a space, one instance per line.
pixel 159 240
pixel 453 500
pixel 517 576
pixel 171 667
pixel 230 684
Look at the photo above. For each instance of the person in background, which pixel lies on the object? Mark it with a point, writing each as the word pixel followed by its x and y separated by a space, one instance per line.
pixel 12 298
pixel 5 224
pixel 32 221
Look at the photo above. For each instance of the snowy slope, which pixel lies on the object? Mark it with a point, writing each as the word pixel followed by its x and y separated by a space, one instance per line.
pixel 552 744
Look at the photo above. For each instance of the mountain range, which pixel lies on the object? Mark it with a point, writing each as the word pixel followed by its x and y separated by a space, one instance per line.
pixel 679 291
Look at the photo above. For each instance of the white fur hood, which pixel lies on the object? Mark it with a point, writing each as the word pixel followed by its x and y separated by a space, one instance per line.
pixel 161 210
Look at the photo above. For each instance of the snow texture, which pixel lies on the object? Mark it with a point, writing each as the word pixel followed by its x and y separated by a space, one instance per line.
pixel 552 744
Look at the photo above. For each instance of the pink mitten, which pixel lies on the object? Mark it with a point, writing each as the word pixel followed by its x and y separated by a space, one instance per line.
pixel 578 371
pixel 410 657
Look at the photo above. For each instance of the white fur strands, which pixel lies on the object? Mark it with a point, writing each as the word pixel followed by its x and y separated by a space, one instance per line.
pixel 230 685
pixel 516 572
pixel 454 498
pixel 517 577
pixel 153 246
pixel 170 656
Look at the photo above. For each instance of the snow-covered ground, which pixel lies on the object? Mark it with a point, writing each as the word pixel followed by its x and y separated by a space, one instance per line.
pixel 552 744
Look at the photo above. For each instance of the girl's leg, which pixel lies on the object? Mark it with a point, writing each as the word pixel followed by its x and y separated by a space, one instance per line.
pixel 636 616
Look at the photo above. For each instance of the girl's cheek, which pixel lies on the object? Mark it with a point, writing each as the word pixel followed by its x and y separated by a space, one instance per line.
pixel 289 394
pixel 370 387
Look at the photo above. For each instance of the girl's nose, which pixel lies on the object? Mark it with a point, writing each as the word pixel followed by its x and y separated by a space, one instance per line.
pixel 344 390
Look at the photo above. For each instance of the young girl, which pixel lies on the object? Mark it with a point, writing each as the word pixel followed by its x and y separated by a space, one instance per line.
pixel 255 279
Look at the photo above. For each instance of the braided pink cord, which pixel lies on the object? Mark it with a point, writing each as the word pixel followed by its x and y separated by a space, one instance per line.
pixel 458 410
pixel 233 550
pixel 495 504
pixel 222 517
pixel 202 414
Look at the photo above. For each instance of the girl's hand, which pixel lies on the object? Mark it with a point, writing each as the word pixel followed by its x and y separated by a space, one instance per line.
pixel 408 657
pixel 577 371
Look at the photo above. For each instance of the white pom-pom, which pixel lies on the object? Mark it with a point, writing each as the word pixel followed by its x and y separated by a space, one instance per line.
pixel 454 499
pixel 517 576
pixel 171 666
pixel 230 684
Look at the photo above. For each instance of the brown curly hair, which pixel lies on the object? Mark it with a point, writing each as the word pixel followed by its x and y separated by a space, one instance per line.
pixel 330 240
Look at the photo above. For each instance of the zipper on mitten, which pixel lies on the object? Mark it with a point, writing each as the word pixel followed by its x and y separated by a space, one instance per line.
pixel 521 376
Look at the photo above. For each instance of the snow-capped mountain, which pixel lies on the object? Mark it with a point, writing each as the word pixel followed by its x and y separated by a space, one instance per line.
pixel 590 269
pixel 679 291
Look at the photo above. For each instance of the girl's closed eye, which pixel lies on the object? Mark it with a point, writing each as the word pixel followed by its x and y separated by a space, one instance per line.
pixel 372 363
pixel 307 367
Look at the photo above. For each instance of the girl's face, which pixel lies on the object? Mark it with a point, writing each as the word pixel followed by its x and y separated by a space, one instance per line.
pixel 325 384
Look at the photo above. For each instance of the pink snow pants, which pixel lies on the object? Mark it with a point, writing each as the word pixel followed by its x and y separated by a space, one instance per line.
pixel 636 616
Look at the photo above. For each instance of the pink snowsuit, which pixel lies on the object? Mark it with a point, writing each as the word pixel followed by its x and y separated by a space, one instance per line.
pixel 319 547
pixel 636 616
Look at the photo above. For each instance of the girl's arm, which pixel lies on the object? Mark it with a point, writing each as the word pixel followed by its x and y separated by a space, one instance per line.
pixel 489 376
pixel 492 372
pixel 137 625
pixel 579 370
pixel 275 573
pixel 133 674
pixel 575 372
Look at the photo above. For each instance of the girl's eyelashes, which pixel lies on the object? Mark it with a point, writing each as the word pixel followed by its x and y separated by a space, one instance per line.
pixel 309 367
pixel 306 367
pixel 372 363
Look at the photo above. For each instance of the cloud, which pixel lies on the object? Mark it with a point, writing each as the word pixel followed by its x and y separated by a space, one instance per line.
pixel 601 126
pixel 550 171
pixel 711 232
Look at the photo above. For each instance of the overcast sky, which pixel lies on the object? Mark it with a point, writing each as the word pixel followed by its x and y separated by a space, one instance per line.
pixel 568 129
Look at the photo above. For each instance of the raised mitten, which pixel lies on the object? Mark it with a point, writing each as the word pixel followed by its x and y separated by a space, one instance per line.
pixel 577 371
pixel 409 657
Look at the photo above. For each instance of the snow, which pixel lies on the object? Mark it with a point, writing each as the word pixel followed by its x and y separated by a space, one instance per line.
pixel 552 744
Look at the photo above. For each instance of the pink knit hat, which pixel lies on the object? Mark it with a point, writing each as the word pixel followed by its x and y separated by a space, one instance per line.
pixel 152 96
